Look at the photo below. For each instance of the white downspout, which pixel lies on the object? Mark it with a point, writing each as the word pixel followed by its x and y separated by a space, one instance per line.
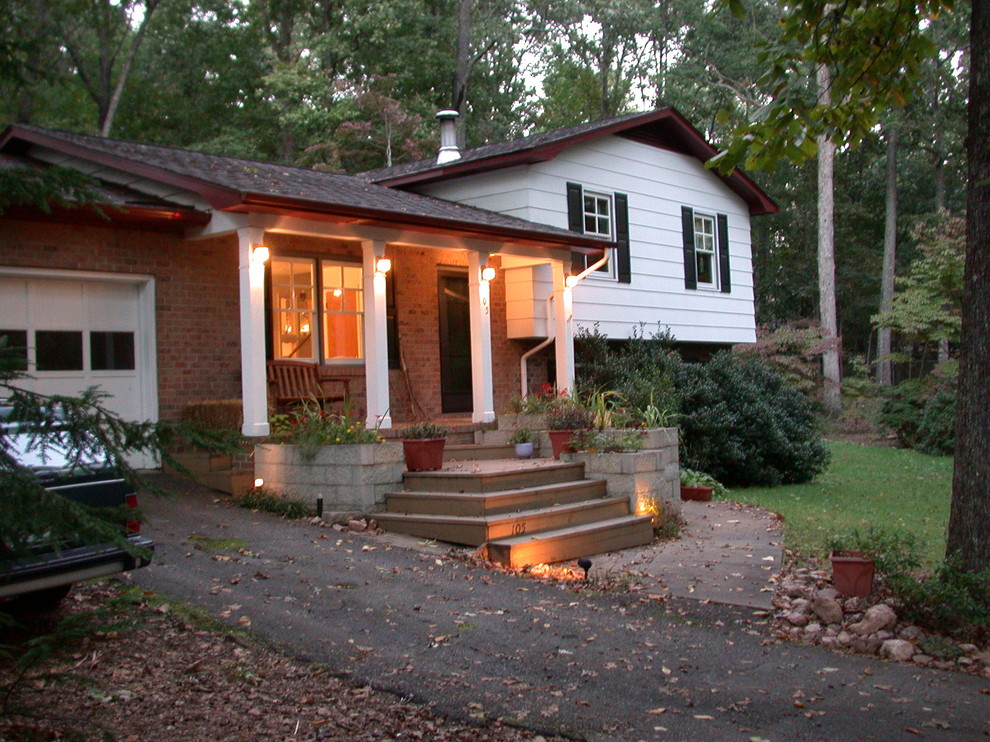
pixel 551 335
pixel 523 367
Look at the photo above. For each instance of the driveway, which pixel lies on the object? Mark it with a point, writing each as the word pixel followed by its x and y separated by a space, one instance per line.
pixel 477 644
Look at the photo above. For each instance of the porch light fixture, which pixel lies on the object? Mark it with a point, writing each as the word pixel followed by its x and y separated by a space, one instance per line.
pixel 261 254
pixel 571 281
pixel 488 273
pixel 383 265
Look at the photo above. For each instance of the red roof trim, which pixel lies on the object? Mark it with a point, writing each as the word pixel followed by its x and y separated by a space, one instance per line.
pixel 157 218
pixel 693 141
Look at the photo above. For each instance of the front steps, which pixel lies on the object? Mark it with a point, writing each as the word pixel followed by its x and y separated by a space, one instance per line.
pixel 527 514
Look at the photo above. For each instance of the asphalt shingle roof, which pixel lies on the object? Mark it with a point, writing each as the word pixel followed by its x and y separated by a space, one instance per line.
pixel 262 183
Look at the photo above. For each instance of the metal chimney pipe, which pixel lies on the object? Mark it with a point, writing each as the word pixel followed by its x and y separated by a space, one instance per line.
pixel 448 137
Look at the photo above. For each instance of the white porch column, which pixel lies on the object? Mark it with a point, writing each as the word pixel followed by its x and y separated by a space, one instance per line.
pixel 254 391
pixel 375 337
pixel 480 305
pixel 564 319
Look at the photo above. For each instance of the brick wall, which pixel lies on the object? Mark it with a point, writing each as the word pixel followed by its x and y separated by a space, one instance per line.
pixel 196 289
pixel 197 316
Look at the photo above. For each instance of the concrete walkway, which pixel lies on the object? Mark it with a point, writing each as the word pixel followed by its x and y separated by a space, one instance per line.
pixel 726 554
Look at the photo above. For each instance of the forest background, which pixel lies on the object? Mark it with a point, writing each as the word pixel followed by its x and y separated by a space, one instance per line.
pixel 349 85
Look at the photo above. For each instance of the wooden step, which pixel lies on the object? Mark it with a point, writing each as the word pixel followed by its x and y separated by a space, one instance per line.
pixel 572 542
pixel 202 461
pixel 475 531
pixel 492 503
pixel 495 481
pixel 478 452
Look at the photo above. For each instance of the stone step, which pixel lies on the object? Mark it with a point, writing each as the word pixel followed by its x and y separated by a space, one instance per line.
pixel 492 481
pixel 492 503
pixel 475 531
pixel 572 542
pixel 478 452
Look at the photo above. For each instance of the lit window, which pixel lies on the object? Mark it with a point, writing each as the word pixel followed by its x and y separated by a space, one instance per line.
pixel 343 312
pixel 704 250
pixel 330 329
pixel 293 288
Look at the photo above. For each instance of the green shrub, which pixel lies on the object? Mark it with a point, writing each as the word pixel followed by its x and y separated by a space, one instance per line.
pixel 950 602
pixel 259 498
pixel 607 441
pixel 922 412
pixel 894 553
pixel 743 425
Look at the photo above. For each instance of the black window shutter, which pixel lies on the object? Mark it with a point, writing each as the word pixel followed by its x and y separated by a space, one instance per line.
pixel 623 265
pixel 723 253
pixel 575 208
pixel 690 267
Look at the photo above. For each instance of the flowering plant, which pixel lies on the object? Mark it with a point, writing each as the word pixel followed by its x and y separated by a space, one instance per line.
pixel 310 427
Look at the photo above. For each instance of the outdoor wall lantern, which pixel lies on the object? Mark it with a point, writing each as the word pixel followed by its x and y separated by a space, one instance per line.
pixel 571 281
pixel 261 254
pixel 488 273
pixel 383 265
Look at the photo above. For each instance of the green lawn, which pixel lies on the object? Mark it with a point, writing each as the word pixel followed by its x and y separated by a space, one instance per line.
pixel 897 490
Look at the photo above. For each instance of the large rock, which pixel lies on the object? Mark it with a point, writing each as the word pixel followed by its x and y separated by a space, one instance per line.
pixel 826 607
pixel 879 617
pixel 897 649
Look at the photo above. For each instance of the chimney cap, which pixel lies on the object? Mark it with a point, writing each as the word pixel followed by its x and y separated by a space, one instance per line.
pixel 447 114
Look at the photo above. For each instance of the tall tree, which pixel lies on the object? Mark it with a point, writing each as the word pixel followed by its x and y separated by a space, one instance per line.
pixel 883 48
pixel 969 520
pixel 832 351
pixel 884 347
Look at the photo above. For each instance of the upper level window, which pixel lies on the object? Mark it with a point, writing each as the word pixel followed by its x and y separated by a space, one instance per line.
pixel 598 221
pixel 705 255
pixel 317 310
pixel 604 215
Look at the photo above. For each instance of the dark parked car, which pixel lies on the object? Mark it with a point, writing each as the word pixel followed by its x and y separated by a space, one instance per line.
pixel 43 574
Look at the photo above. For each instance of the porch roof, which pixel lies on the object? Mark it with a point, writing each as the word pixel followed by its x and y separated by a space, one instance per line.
pixel 664 127
pixel 241 185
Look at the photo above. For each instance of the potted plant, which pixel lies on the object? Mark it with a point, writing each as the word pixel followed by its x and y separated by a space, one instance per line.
pixel 562 421
pixel 523 440
pixel 698 486
pixel 422 445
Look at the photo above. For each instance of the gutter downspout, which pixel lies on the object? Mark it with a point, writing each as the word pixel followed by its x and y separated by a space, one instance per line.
pixel 551 335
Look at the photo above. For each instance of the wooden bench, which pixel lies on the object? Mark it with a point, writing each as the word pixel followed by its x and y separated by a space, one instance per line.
pixel 292 382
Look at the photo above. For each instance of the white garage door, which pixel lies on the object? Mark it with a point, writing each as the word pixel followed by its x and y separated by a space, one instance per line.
pixel 82 330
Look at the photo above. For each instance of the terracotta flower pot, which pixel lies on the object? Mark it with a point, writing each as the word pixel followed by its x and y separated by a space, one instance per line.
pixel 423 454
pixel 698 494
pixel 560 441
pixel 852 573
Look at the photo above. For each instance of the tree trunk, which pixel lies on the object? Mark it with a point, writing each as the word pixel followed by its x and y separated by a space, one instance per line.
pixel 125 70
pixel 884 371
pixel 462 72
pixel 826 259
pixel 969 520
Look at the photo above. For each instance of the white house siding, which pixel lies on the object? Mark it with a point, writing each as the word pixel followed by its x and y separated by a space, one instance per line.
pixel 658 183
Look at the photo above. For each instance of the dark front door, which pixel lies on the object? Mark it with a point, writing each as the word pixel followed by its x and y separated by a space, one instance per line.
pixel 455 343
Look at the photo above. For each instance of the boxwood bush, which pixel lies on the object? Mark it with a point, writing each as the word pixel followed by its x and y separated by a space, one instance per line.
pixel 743 425
pixel 922 412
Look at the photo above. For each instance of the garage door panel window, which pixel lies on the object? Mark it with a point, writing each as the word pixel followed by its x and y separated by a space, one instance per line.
pixel 13 349
pixel 111 351
pixel 58 350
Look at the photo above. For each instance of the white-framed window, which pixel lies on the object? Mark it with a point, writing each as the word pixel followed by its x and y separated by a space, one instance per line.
pixel 705 250
pixel 317 310
pixel 598 220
